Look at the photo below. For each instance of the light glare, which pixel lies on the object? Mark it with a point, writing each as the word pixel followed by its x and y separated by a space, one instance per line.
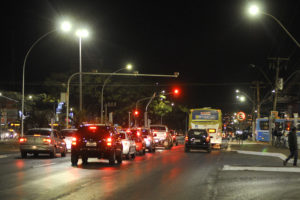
pixel 66 26
pixel 253 10
pixel 82 33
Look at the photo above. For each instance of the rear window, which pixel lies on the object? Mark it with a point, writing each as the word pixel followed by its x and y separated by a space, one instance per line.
pixel 94 130
pixel 68 133
pixel 122 135
pixel 197 132
pixel 38 132
pixel 159 128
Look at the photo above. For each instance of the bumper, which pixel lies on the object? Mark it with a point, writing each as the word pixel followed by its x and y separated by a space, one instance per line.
pixel 198 146
pixel 36 148
pixel 92 152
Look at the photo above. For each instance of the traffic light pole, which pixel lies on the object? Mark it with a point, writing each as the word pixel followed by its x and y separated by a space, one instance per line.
pixel 175 75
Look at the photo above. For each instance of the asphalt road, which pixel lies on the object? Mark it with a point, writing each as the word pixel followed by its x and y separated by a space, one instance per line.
pixel 166 174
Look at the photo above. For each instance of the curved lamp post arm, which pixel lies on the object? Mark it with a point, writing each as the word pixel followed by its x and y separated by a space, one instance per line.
pixel 102 91
pixel 23 79
pixel 280 24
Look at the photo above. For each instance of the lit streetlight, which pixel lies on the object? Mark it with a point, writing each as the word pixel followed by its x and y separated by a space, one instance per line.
pixel 255 11
pixel 81 33
pixel 128 67
pixel 65 26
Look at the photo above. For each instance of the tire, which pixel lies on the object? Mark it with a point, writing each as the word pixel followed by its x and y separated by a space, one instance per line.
pixel 127 156
pixel 144 152
pixel 150 149
pixel 112 158
pixel 63 154
pixel 53 153
pixel 153 150
pixel 186 149
pixel 84 160
pixel 119 158
pixel 74 159
pixel 23 154
pixel 133 156
pixel 176 143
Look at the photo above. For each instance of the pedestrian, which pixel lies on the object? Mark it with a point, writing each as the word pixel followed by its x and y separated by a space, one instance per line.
pixel 293 146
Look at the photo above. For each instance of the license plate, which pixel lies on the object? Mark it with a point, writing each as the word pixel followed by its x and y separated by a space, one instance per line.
pixel 196 140
pixel 91 144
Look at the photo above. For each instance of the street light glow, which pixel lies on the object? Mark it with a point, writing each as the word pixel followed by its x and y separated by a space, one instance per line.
pixel 82 33
pixel 66 26
pixel 237 91
pixel 129 66
pixel 253 10
pixel 242 98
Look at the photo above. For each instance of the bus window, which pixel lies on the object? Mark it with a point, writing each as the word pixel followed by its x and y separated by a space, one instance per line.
pixel 264 125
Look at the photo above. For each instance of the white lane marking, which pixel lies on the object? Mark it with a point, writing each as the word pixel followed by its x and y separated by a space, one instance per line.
pixel 3 156
pixel 278 155
pixel 265 169
pixel 45 165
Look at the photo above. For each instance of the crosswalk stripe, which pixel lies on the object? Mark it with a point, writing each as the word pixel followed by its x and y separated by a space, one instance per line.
pixel 265 169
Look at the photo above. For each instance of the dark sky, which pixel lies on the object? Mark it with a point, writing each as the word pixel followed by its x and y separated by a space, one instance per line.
pixel 211 43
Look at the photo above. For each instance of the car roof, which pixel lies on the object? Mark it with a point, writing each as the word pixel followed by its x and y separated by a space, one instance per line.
pixel 42 129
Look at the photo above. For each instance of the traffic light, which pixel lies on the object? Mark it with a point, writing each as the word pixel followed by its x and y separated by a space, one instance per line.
pixel 176 91
pixel 136 113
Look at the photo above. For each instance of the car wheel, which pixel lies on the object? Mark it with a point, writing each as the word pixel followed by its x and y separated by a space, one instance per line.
pixel 176 143
pixel 36 155
pixel 53 153
pixel 119 158
pixel 150 149
pixel 84 160
pixel 23 154
pixel 186 149
pixel 74 159
pixel 112 158
pixel 127 156
pixel 133 156
pixel 63 154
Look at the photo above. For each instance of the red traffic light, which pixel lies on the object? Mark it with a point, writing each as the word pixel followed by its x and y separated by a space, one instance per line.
pixel 176 91
pixel 136 113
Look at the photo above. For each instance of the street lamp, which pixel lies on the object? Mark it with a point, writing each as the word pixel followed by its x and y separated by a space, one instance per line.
pixel 64 27
pixel 128 67
pixel 81 33
pixel 255 11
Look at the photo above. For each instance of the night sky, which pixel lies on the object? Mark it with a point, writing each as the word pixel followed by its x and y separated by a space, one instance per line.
pixel 211 43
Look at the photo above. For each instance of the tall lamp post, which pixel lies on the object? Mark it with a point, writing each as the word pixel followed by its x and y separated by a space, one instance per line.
pixel 65 26
pixel 128 67
pixel 254 11
pixel 81 33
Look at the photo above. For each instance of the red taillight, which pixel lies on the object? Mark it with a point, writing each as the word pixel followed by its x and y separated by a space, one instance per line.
pixel 186 138
pixel 22 140
pixel 47 140
pixel 74 141
pixel 174 136
pixel 138 133
pixel 108 141
pixel 207 138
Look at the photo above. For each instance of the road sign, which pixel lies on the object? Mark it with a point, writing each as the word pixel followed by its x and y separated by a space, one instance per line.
pixel 241 116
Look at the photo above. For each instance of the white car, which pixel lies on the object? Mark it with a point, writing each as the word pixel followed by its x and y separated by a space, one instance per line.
pixel 129 150
pixel 162 136
pixel 68 134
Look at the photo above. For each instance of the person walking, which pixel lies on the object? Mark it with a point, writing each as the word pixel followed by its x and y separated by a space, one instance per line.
pixel 293 146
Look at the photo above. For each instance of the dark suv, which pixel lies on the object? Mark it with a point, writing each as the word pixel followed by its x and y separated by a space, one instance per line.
pixel 96 141
pixel 197 139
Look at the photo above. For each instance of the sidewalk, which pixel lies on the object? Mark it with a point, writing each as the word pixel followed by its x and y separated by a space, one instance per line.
pixel 9 146
pixel 257 146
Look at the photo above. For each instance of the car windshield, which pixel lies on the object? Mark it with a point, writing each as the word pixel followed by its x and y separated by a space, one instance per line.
pixel 38 132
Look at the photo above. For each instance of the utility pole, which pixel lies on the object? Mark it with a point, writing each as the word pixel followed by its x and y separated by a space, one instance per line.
pixel 277 61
